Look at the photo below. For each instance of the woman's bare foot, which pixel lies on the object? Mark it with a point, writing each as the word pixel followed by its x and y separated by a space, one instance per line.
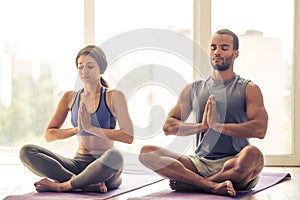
pixel 101 187
pixel 45 185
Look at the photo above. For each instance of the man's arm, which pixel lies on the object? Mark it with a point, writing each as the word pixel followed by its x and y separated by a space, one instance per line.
pixel 256 126
pixel 175 123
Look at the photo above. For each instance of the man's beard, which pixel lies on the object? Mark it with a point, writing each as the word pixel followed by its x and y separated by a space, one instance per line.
pixel 224 65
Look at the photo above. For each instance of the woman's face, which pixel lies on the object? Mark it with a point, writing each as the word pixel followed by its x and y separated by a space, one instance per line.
pixel 88 69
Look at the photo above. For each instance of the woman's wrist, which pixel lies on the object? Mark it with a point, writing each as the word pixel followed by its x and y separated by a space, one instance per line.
pixel 76 130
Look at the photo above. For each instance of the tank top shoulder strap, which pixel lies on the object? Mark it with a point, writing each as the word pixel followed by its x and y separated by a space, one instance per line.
pixel 76 99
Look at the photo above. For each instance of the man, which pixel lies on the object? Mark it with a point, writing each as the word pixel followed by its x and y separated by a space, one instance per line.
pixel 229 110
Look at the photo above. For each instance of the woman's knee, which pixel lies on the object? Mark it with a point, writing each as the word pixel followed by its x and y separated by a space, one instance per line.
pixel 113 158
pixel 26 152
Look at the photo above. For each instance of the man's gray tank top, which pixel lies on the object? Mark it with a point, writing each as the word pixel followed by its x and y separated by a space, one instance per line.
pixel 231 106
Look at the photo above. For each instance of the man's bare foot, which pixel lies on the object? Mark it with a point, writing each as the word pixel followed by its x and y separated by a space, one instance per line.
pixel 224 188
pixel 178 186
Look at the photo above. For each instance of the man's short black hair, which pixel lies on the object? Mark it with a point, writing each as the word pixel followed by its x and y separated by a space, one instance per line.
pixel 229 32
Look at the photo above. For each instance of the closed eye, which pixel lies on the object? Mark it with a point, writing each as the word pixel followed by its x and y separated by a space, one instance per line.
pixel 213 47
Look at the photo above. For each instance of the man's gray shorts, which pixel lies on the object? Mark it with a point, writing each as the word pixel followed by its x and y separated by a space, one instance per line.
pixel 207 168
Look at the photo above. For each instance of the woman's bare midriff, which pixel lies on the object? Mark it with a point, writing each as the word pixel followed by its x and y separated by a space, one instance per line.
pixel 93 145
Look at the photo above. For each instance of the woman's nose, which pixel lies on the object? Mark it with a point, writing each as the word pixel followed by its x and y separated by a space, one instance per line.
pixel 84 70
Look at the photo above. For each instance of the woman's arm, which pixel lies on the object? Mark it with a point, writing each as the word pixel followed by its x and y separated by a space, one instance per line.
pixel 53 130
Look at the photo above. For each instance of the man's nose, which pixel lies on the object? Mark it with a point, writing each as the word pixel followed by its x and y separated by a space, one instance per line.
pixel 217 52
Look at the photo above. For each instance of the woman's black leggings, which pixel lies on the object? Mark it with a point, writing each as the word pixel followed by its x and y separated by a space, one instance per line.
pixel 89 169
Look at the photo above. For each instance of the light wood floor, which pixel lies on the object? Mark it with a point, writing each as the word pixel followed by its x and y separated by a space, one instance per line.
pixel 16 179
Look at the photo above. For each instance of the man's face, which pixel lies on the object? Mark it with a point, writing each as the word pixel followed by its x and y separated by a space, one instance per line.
pixel 222 54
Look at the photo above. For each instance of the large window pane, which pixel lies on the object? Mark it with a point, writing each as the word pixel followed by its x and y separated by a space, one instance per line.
pixel 38 45
pixel 265 29
pixel 140 71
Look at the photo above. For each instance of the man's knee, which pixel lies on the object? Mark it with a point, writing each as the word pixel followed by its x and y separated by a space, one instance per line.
pixel 148 149
pixel 146 153
pixel 251 154
pixel 250 157
pixel 250 149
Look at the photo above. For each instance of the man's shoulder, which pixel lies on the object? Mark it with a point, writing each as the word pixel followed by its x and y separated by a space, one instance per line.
pixel 242 80
pixel 200 81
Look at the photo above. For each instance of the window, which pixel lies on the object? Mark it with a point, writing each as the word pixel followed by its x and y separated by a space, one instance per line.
pixel 142 45
pixel 38 45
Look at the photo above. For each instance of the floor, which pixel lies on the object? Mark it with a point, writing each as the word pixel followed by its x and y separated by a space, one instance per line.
pixel 15 179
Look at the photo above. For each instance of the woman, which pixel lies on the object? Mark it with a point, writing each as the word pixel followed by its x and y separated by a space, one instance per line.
pixel 97 166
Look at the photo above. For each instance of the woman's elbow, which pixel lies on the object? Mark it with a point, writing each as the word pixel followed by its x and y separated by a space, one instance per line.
pixel 47 136
pixel 128 139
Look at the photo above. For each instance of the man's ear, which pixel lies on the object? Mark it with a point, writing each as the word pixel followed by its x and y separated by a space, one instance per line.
pixel 236 53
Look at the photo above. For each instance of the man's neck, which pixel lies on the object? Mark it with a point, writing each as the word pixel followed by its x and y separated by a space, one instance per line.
pixel 222 76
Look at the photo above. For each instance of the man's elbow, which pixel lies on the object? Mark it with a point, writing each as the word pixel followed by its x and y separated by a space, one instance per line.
pixel 262 133
pixel 167 129
pixel 261 136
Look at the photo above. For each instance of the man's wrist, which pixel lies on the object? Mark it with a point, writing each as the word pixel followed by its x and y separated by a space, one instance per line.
pixel 217 127
pixel 201 127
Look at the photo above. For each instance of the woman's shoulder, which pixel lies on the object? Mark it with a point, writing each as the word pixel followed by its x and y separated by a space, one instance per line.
pixel 115 95
pixel 70 94
pixel 68 97
pixel 111 92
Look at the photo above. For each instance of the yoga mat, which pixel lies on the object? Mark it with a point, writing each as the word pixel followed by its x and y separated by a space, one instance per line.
pixel 131 181
pixel 267 179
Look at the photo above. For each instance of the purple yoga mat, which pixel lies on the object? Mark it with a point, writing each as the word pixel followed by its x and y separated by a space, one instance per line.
pixel 267 179
pixel 131 181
